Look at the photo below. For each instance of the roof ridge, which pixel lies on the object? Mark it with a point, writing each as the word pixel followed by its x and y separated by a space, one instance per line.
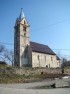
pixel 39 43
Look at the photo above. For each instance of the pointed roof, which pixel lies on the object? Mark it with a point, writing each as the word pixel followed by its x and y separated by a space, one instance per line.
pixel 21 16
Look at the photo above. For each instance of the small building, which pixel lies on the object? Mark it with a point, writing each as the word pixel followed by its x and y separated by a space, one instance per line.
pixel 28 53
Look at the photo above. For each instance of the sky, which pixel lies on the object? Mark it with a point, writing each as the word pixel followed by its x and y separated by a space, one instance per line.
pixel 49 22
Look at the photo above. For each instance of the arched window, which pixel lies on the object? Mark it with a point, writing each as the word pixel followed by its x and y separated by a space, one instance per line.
pixel 51 58
pixel 45 58
pixel 38 57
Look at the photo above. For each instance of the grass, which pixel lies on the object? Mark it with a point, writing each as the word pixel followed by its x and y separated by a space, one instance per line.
pixel 15 78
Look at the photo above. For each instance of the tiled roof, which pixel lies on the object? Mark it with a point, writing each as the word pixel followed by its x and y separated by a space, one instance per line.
pixel 36 47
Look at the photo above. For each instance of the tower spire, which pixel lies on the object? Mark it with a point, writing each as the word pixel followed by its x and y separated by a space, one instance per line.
pixel 21 16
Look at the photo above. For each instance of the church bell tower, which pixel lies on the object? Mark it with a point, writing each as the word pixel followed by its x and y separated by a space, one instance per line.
pixel 21 39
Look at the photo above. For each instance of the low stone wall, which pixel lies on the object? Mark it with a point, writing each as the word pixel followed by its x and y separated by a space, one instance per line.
pixel 28 71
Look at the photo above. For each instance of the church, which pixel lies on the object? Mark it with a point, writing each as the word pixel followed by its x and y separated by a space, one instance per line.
pixel 28 53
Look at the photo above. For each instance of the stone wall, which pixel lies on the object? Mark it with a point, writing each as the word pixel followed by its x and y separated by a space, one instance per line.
pixel 28 71
pixel 67 70
pixel 44 60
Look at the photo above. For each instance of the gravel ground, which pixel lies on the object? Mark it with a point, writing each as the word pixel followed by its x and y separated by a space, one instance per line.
pixel 27 87
pixel 34 91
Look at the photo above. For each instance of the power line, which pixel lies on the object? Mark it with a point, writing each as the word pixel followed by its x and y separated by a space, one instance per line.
pixel 65 20
pixel 6 43
pixel 61 49
pixel 44 28
pixel 13 44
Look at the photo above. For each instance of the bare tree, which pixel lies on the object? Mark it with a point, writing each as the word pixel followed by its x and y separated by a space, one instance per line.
pixel 6 55
pixel 2 49
pixel 9 56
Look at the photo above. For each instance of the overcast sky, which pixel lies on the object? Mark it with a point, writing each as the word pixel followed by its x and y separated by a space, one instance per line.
pixel 49 22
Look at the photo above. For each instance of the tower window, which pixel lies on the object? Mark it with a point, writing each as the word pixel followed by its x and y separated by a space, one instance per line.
pixel 24 28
